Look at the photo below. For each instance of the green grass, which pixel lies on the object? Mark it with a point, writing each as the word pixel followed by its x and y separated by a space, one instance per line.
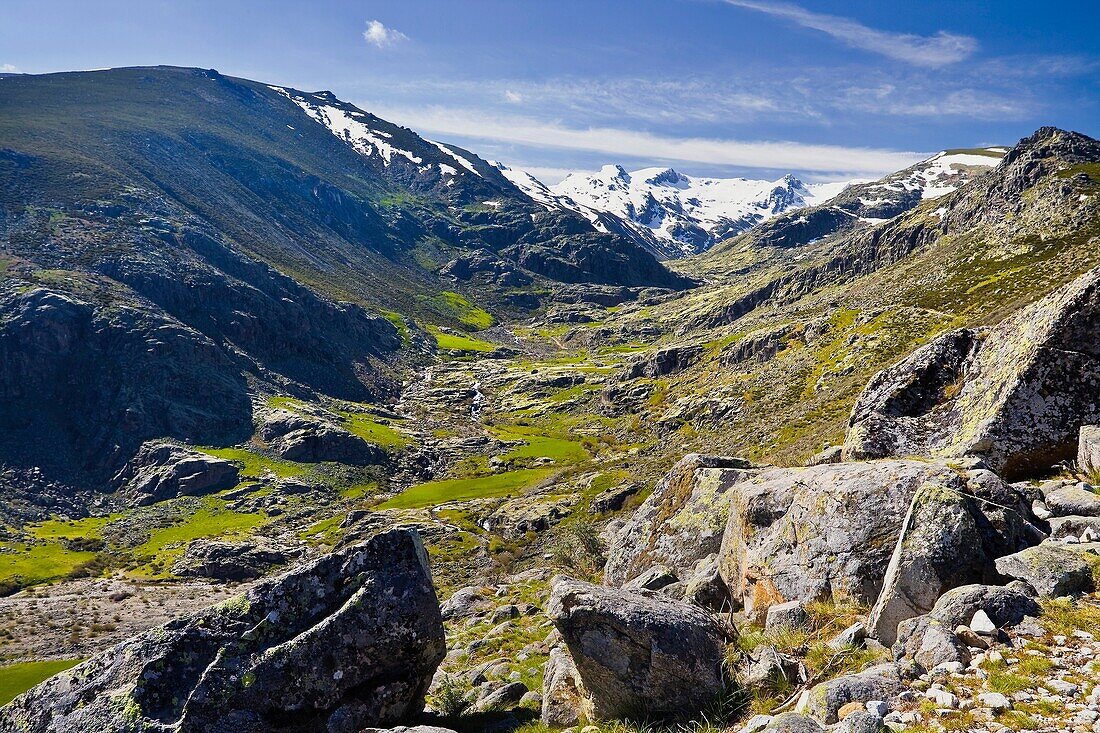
pixel 369 428
pixel 25 565
pixel 539 445
pixel 212 520
pixel 62 529
pixel 464 489
pixel 466 312
pixel 453 342
pixel 398 322
pixel 254 465
pixel 16 679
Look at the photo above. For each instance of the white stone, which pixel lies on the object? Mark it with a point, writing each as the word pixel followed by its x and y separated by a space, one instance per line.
pixel 1062 687
pixel 982 624
pixel 995 701
pixel 878 707
pixel 756 723
pixel 943 698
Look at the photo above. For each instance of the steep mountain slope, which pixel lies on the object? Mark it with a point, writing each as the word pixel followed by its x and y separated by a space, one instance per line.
pixel 686 214
pixel 173 241
pixel 863 204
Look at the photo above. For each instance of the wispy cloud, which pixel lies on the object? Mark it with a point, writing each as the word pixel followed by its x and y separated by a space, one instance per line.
pixel 940 49
pixel 377 34
pixel 513 97
pixel 616 143
pixel 8 68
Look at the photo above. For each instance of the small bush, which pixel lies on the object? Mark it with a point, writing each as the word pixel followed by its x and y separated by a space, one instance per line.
pixel 451 698
pixel 577 547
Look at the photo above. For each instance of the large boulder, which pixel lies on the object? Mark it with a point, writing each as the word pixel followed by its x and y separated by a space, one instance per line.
pixel 881 682
pixel 1051 568
pixel 638 655
pixel 1015 395
pixel 346 642
pixel 680 523
pixel 160 471
pixel 1072 501
pixel 1088 449
pixel 950 537
pixel 821 531
pixel 561 700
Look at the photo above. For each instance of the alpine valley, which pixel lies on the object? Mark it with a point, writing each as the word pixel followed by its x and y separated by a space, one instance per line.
pixel 278 375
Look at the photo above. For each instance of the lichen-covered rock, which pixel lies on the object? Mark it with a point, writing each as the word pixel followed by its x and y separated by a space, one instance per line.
pixel 466 602
pixel 950 537
pixel 793 723
pixel 822 531
pixel 1088 448
pixel 655 578
pixel 1074 526
pixel 881 682
pixel 638 654
pixel 791 615
pixel 680 523
pixel 860 721
pixel 1005 605
pixel 160 471
pixel 226 560
pixel 1015 395
pixel 1065 501
pixel 346 642
pixel 561 699
pixel 1050 568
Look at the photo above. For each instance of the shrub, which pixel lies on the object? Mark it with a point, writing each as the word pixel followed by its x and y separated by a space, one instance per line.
pixel 451 697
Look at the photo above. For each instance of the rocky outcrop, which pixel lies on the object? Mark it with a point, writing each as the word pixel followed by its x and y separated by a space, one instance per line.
pixel 162 471
pixel 347 642
pixel 227 561
pixel 517 517
pixel 665 361
pixel 680 523
pixel 638 655
pixel 304 439
pixel 1015 396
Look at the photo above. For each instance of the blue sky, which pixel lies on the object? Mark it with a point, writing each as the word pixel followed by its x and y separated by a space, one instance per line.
pixel 726 87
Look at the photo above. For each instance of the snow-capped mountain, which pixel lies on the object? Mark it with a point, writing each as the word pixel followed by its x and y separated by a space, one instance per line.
pixel 686 214
pixel 874 202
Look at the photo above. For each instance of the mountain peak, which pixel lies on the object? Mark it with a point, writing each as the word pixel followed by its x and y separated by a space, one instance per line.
pixel 614 171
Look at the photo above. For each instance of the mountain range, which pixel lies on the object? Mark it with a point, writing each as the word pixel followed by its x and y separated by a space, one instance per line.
pixel 248 329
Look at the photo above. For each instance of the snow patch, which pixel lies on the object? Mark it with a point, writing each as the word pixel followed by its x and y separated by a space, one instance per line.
pixel 458 158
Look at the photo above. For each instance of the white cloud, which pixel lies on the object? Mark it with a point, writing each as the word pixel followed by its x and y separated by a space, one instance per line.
pixel 513 97
pixel 941 49
pixel 617 143
pixel 379 35
pixel 9 68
